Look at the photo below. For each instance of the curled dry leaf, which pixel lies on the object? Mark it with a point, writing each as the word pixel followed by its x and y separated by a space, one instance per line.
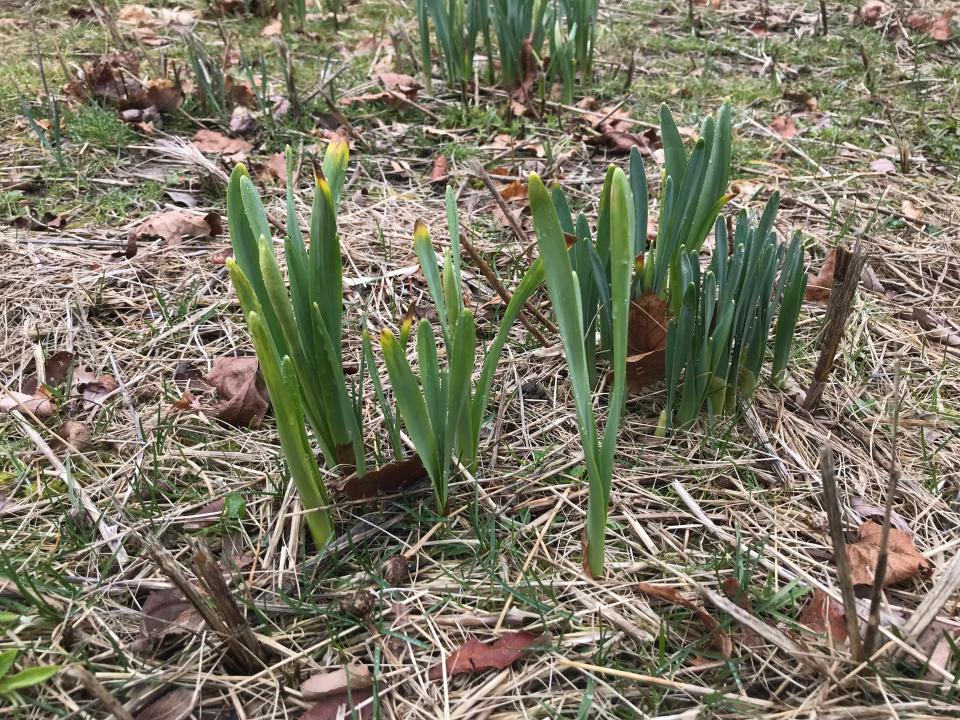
pixel 272 28
pixel 349 677
pixel 910 210
pixel 275 169
pixel 938 327
pixel 140 15
pixel 174 705
pixel 824 615
pixel 206 516
pixel 212 141
pixel 475 656
pixel 820 285
pixel 866 510
pixel 241 389
pixel 438 173
pixel 173 226
pixel 165 613
pixel 646 341
pixel 719 640
pixel 904 561
pixel 388 479
pixel 241 120
pixel 784 126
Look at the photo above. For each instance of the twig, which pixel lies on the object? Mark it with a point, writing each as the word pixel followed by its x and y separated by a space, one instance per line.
pixel 96 688
pixel 848 269
pixel 491 277
pixel 873 623
pixel 832 505
pixel 481 173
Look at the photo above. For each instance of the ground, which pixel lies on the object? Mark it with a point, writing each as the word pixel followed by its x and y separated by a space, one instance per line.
pixel 856 128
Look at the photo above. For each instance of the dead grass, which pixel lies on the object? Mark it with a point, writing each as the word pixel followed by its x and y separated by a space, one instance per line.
pixel 740 499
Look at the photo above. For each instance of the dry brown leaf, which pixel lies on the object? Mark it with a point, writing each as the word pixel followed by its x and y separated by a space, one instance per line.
pixel 240 92
pixel 174 705
pixel 819 286
pixel 212 141
pixel 475 656
pixel 349 677
pixel 903 559
pixel 646 341
pixel 241 389
pixel 719 640
pixel 138 15
pixel 784 126
pixel 522 95
pixel 275 169
pixel 165 613
pixel 343 705
pixel 910 210
pixel 398 82
pixel 241 120
pixel 55 371
pixel 93 388
pixel 186 402
pixel 388 479
pixel 438 173
pixel 516 190
pixel 172 226
pixel 735 591
pixel 39 404
pixel 206 516
pixel 74 434
pixel 865 510
pixel 824 615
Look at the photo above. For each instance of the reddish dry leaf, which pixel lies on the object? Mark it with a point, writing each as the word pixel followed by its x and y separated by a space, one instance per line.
pixel 475 656
pixel 438 173
pixel 937 28
pixel 350 677
pixel 903 559
pixel 240 92
pixel 275 169
pixel 719 640
pixel 824 615
pixel 212 141
pixel 869 12
pixel 735 591
pixel 206 516
pixel 174 705
pixel 646 341
pixel 187 401
pixel 387 479
pixel 55 371
pixel 522 95
pixel 173 226
pixel 784 126
pixel 516 190
pixel 398 82
pixel 241 389
pixel 820 285
pixel 343 705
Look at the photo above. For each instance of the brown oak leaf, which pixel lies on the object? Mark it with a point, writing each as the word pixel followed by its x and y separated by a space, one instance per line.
pixel 824 615
pixel 243 395
pixel 904 561
pixel 646 341
pixel 475 656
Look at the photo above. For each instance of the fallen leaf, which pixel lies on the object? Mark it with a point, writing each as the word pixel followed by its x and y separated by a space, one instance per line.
pixel 819 286
pixel 39 405
pixel 55 370
pixel 784 126
pixel 910 210
pixel 330 707
pixel 515 190
pixel 172 226
pixel 937 28
pixel 475 656
pixel 272 28
pixel 824 615
pixel 869 12
pixel 903 559
pixel 174 705
pixel 719 640
pixel 940 329
pixel 802 101
pixel 135 14
pixel 522 93
pixel 866 510
pixel 187 401
pixel 166 613
pixel 349 677
pixel 206 516
pixel 183 198
pixel 212 141
pixel 617 133
pixel 241 389
pixel 398 82
pixel 388 479
pixel 74 435
pixel 438 173
pixel 937 643
pixel 275 169
pixel 240 92
pixel 735 591
pixel 883 165
pixel 93 388
pixel 646 341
